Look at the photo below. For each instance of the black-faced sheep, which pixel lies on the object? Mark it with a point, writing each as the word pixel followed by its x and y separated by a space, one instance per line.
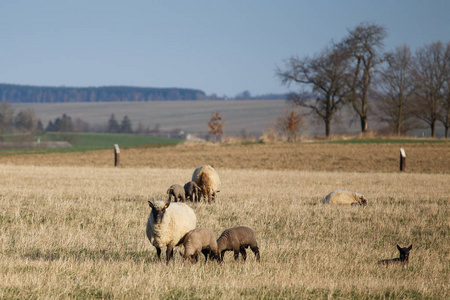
pixel 168 224
pixel 177 192
pixel 402 260
pixel 200 240
pixel 343 197
pixel 191 191
pixel 207 180
pixel 237 239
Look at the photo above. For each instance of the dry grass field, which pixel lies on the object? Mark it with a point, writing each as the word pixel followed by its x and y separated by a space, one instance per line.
pixel 73 226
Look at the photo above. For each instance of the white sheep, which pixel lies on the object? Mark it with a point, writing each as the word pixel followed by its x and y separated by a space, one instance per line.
pixel 207 180
pixel 168 224
pixel 343 197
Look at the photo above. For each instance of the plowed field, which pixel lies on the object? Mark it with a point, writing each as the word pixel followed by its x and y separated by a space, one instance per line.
pixel 368 157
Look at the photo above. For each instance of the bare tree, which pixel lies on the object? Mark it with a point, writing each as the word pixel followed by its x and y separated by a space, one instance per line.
pixel 430 78
pixel 397 90
pixel 216 125
pixel 444 110
pixel 323 74
pixel 364 45
pixel 289 124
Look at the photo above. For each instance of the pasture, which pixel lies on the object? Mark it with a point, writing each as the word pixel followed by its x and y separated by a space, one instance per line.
pixel 70 231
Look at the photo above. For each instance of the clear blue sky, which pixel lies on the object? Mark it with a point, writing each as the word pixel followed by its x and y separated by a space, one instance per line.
pixel 222 47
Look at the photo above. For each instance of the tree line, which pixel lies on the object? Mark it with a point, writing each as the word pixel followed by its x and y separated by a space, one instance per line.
pixel 25 122
pixel 36 94
pixel 400 87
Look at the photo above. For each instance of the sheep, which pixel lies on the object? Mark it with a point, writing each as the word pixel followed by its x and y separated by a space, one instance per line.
pixel 208 181
pixel 402 260
pixel 343 197
pixel 177 191
pixel 237 239
pixel 200 240
pixel 168 224
pixel 192 191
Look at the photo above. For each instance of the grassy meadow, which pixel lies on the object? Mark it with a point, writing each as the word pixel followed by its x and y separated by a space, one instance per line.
pixel 82 142
pixel 79 232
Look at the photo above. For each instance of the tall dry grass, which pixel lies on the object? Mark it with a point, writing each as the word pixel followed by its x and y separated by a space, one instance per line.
pixel 79 232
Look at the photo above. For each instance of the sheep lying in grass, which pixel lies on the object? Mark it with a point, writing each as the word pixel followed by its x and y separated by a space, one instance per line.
pixel 402 260
pixel 343 197
pixel 168 224
pixel 207 180
pixel 191 191
pixel 237 239
pixel 200 240
pixel 177 192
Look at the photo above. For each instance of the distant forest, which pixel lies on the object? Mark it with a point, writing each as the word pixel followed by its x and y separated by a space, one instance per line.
pixel 22 93
pixel 13 93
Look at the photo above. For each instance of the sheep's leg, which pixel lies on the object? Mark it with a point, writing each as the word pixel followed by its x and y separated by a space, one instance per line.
pixel 243 252
pixel 206 253
pixel 169 253
pixel 158 252
pixel 236 254
pixel 209 198
pixel 213 255
pixel 255 250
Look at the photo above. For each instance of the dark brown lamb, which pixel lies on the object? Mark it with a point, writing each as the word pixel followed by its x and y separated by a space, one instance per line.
pixel 176 191
pixel 237 239
pixel 192 191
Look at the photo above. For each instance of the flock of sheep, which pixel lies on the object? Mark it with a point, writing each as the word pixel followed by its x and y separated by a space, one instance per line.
pixel 172 224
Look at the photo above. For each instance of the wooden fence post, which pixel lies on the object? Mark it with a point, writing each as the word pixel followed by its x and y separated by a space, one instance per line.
pixel 116 155
pixel 402 160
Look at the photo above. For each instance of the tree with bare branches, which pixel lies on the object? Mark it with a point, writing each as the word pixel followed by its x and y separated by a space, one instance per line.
pixel 430 77
pixel 444 110
pixel 289 124
pixel 364 46
pixel 323 75
pixel 396 91
pixel 216 125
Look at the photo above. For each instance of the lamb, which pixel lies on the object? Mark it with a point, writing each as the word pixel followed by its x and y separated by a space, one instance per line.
pixel 192 191
pixel 177 191
pixel 207 180
pixel 237 239
pixel 402 260
pixel 168 224
pixel 200 240
pixel 343 197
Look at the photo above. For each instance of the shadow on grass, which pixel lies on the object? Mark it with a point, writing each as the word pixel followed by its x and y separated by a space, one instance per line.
pixel 91 254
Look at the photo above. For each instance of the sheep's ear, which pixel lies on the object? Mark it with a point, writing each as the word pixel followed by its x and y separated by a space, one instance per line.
pixel 150 204
pixel 398 247
pixel 410 247
pixel 167 204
